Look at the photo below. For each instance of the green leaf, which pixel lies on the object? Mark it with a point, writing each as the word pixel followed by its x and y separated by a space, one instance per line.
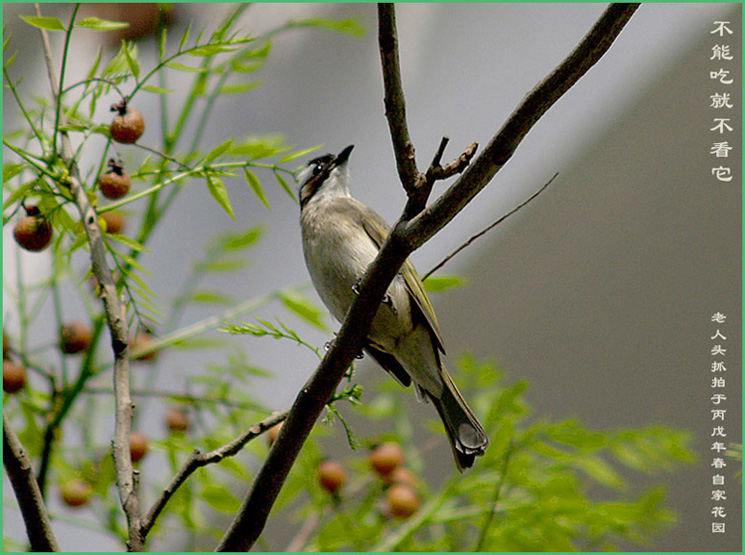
pixel 242 240
pixel 212 297
pixel 304 308
pixel 259 147
pixel 10 171
pixel 349 26
pixel 217 151
pixel 181 67
pixel 285 186
pixel 19 193
pixel 299 154
pixel 210 50
pixel 130 52
pixel 184 37
pixel 219 266
pixel 128 241
pixel 48 23
pixel 98 24
pixel 243 87
pixel 255 185
pixel 442 283
pixel 94 67
pixel 218 191
pixel 157 90
pixel 220 499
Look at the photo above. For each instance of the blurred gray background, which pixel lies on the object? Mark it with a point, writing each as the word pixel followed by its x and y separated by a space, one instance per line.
pixel 599 293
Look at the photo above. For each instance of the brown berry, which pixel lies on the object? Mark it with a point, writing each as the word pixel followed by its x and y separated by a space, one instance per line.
pixel 14 376
pixel 75 338
pixel 402 501
pixel 137 446
pixel 141 340
pixel 115 221
pixel 273 433
pixel 177 421
pixel 401 475
pixel 386 458
pixel 128 124
pixel 75 493
pixel 34 232
pixel 114 184
pixel 331 476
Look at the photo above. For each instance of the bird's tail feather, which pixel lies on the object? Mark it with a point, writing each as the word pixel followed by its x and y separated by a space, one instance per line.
pixel 468 439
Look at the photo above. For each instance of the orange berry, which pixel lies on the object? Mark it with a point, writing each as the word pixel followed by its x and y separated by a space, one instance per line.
pixel 177 420
pixel 128 124
pixel 114 184
pixel 331 476
pixel 14 376
pixel 115 221
pixel 34 232
pixel 75 493
pixel 75 337
pixel 386 458
pixel 402 501
pixel 137 446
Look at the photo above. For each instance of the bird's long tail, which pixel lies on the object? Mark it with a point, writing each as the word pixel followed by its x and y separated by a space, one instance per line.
pixel 467 436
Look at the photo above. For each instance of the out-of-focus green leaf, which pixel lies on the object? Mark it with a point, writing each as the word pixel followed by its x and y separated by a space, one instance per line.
pixel 98 24
pixel 48 23
pixel 442 283
pixel 304 308
pixel 219 498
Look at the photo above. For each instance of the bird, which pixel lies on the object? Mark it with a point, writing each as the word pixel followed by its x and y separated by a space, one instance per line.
pixel 341 237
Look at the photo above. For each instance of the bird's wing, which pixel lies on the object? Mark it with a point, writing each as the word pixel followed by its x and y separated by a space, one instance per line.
pixel 378 230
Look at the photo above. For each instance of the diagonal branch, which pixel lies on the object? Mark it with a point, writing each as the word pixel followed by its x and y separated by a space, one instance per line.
pixel 18 466
pixel 115 317
pixel 198 460
pixel 501 148
pixel 408 234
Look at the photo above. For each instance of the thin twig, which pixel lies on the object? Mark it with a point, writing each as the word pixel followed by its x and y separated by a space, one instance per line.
pixel 115 315
pixel 409 233
pixel 489 228
pixel 497 494
pixel 198 460
pixel 18 466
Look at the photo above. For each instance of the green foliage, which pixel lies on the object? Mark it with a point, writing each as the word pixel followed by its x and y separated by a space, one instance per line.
pixel 541 486
pixel 63 415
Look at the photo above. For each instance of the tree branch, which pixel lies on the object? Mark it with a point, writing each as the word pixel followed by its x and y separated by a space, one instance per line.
pixel 199 459
pixel 534 105
pixel 395 106
pixel 18 466
pixel 115 317
pixel 409 233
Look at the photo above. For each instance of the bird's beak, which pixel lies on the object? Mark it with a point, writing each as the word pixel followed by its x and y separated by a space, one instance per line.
pixel 343 156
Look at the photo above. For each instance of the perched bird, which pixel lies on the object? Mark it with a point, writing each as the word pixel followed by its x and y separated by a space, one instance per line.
pixel 341 237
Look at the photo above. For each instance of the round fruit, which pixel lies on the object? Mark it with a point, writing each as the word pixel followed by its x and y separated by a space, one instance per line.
pixel 14 376
pixel 75 338
pixel 137 446
pixel 128 124
pixel 177 421
pixel 402 501
pixel 34 232
pixel 115 221
pixel 273 433
pixel 331 476
pixel 75 493
pixel 114 184
pixel 142 339
pixel 401 475
pixel 386 458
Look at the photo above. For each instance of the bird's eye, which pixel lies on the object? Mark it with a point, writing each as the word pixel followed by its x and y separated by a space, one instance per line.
pixel 317 168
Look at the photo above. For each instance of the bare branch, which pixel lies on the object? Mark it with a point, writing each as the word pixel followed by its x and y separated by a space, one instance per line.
pixel 199 459
pixel 115 317
pixel 18 466
pixel 534 105
pixel 395 105
pixel 489 228
pixel 409 233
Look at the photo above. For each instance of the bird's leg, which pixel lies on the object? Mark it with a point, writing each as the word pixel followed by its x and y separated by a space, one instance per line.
pixel 327 346
pixel 387 300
